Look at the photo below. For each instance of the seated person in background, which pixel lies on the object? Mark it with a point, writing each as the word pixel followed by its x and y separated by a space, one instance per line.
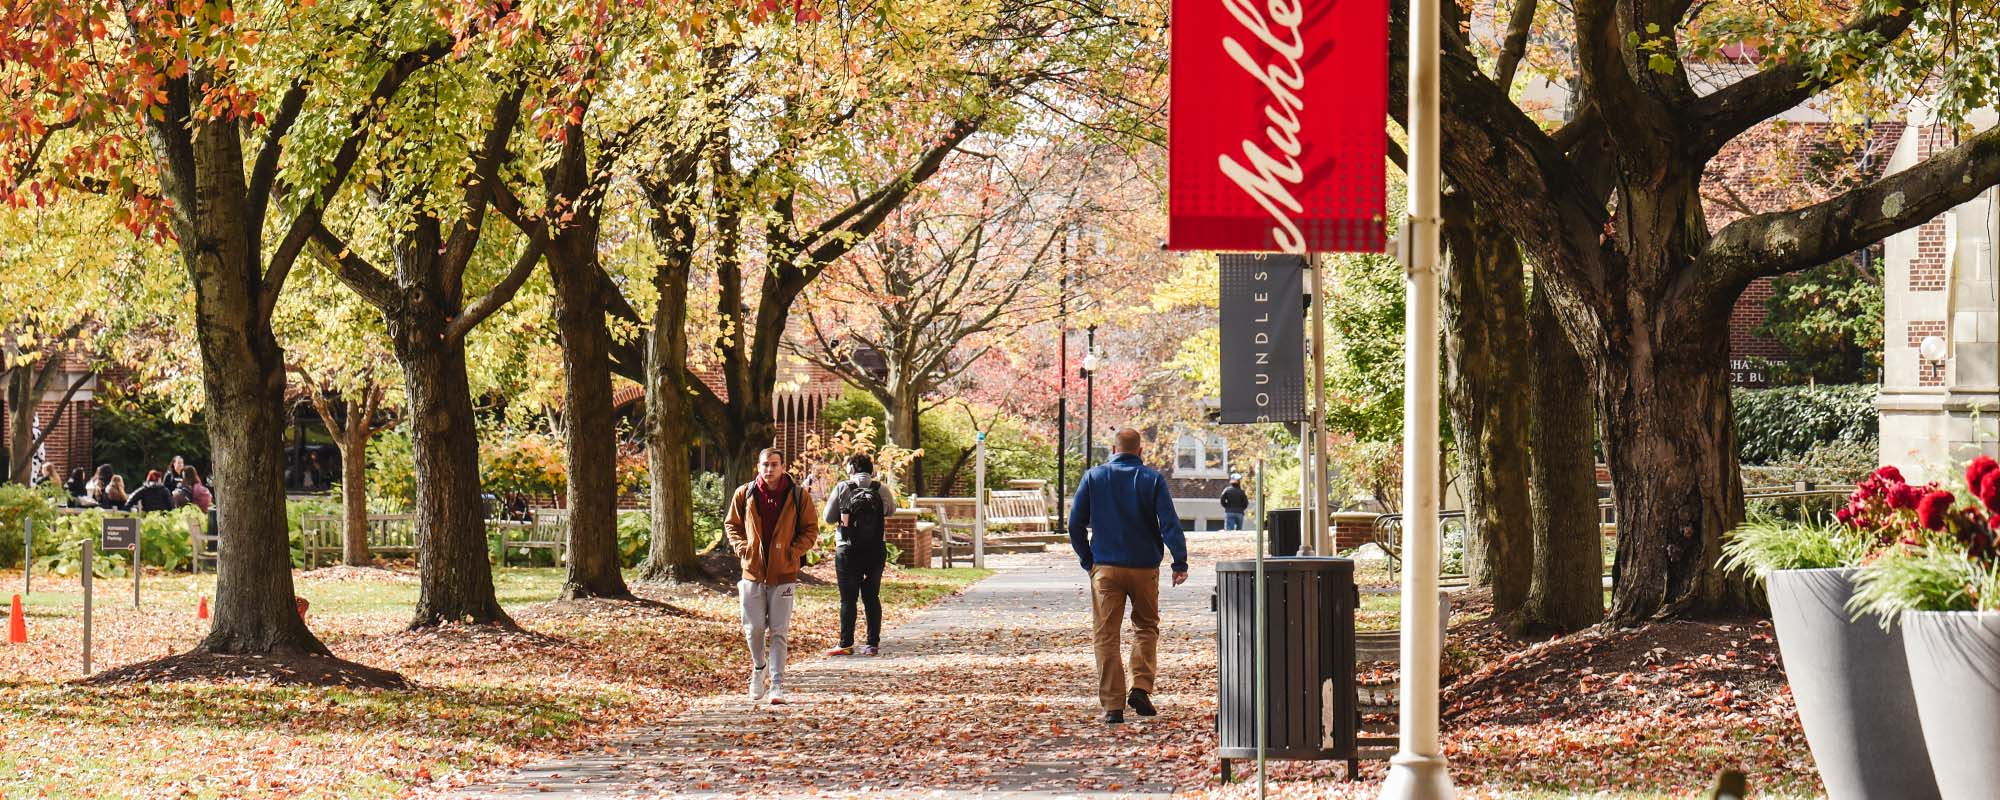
pixel 151 496
pixel 100 482
pixel 192 490
pixel 48 475
pixel 172 480
pixel 114 495
pixel 78 488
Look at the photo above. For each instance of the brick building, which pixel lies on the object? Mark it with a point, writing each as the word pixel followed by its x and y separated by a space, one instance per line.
pixel 1940 395
pixel 803 391
pixel 1779 166
pixel 69 445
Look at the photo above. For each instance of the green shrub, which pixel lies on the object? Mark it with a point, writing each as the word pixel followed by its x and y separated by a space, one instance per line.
pixel 1787 422
pixel 18 504
pixel 392 469
pixel 635 535
pixel 711 499
pixel 163 542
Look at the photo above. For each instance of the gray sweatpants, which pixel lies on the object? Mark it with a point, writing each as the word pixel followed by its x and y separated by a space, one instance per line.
pixel 767 610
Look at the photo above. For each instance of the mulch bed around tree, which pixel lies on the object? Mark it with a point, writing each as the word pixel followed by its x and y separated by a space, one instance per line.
pixel 1681 667
pixel 276 670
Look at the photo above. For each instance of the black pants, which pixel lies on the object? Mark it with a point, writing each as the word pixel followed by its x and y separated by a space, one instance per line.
pixel 860 570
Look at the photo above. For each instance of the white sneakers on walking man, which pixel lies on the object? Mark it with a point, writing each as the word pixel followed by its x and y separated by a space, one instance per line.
pixel 772 525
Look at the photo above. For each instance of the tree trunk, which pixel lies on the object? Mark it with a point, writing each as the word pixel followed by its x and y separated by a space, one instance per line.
pixel 590 437
pixel 243 372
pixel 1486 337
pixel 1663 383
pixel 669 423
pixel 455 579
pixel 21 404
pixel 902 404
pixel 1671 444
pixel 1567 593
pixel 354 491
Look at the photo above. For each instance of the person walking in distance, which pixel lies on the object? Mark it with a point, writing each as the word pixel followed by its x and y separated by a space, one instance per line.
pixel 1121 524
pixel 772 526
pixel 859 506
pixel 1234 503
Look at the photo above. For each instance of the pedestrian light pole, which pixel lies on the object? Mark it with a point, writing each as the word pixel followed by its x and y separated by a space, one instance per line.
pixel 1417 771
pixel 1062 392
pixel 1090 364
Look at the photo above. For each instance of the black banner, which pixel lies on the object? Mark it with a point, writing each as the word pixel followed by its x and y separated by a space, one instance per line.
pixel 1263 338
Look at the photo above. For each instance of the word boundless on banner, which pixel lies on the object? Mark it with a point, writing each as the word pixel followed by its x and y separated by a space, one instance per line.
pixel 1263 338
pixel 1276 138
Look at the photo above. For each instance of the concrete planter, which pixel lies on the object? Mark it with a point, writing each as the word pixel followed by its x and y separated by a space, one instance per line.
pixel 1954 660
pixel 1853 688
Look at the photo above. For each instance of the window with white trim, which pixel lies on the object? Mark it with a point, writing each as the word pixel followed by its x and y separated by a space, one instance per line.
pixel 1198 455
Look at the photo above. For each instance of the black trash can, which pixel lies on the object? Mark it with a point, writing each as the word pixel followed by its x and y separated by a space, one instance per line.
pixel 1282 525
pixel 1309 660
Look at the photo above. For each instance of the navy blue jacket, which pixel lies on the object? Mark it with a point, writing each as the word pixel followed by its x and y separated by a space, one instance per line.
pixel 1130 515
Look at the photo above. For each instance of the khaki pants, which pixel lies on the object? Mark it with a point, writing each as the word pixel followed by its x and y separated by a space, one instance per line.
pixel 1110 587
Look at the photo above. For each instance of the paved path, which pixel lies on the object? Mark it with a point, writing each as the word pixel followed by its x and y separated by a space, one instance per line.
pixel 990 691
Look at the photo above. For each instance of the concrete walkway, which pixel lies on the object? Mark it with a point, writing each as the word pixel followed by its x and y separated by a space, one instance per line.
pixel 990 691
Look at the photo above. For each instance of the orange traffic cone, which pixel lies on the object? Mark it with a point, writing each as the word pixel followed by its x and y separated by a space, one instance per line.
pixel 17 625
pixel 201 612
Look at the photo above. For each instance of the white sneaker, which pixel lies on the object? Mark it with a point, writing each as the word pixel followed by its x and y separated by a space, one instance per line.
pixel 777 696
pixel 759 684
pixel 870 650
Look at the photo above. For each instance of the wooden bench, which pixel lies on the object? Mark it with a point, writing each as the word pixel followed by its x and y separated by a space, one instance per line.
pixel 549 530
pixel 952 535
pixel 396 534
pixel 1019 508
pixel 387 533
pixel 206 542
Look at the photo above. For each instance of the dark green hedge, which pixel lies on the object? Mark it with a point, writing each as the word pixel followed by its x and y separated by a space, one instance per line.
pixel 1783 423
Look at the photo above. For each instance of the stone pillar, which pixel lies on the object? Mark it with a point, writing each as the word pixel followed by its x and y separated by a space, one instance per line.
pixel 1939 281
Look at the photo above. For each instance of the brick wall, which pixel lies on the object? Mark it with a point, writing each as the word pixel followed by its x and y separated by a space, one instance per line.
pixel 1750 310
pixel 901 529
pixel 1352 530
pixel 68 446
pixel 1927 267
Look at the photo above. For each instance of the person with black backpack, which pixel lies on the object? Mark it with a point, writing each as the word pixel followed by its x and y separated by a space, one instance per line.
pixel 859 507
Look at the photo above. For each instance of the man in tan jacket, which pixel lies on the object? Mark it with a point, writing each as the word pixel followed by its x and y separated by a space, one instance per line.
pixel 772 526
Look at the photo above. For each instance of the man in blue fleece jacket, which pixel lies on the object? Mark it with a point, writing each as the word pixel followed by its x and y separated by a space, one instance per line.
pixel 1125 511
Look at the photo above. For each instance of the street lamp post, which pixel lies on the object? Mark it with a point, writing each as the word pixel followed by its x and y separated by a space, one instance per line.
pixel 1062 394
pixel 1090 363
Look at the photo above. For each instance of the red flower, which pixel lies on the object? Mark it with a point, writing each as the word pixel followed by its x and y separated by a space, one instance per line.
pixel 1845 515
pixel 1976 471
pixel 1905 496
pixel 1989 491
pixel 1889 474
pixel 1932 509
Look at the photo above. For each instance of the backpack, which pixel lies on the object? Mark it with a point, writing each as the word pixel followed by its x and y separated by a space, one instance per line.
pixel 864 515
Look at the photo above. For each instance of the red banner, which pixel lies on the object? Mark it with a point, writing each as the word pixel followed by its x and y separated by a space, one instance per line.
pixel 1277 138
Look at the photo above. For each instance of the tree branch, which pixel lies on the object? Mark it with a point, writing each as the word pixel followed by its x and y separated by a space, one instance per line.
pixel 1788 241
pixel 499 295
pixel 1515 46
pixel 1727 113
pixel 62 405
pixel 364 278
pixel 303 227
